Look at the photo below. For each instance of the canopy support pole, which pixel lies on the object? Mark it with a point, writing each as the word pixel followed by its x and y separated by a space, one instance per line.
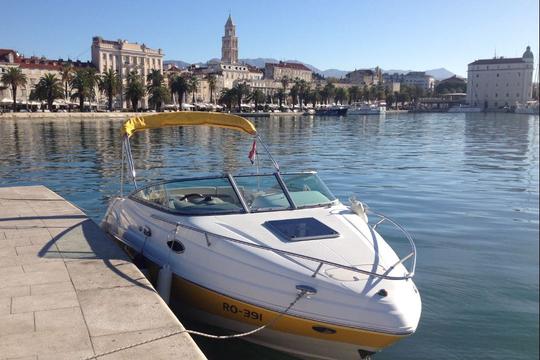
pixel 276 166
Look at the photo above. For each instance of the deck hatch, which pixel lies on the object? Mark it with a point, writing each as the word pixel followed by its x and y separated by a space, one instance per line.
pixel 300 229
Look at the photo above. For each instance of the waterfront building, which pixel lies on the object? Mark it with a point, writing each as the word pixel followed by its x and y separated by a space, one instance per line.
pixel 287 69
pixel 413 78
pixel 363 77
pixel 500 82
pixel 451 85
pixel 419 79
pixel 124 57
pixel 34 68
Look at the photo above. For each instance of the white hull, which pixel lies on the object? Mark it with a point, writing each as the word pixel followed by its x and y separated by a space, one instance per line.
pixel 265 282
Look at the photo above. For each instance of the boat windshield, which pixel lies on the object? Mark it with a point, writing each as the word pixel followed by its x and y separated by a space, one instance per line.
pixel 262 192
pixel 193 197
pixel 214 196
pixel 307 189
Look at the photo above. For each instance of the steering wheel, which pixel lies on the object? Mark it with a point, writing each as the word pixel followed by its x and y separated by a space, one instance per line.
pixel 192 195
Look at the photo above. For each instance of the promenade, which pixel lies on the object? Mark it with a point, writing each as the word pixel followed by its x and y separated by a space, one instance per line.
pixel 69 292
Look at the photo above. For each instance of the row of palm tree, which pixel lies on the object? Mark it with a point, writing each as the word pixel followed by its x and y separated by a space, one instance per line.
pixel 82 83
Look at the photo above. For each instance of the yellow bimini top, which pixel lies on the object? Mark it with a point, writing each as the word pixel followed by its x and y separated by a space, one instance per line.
pixel 187 118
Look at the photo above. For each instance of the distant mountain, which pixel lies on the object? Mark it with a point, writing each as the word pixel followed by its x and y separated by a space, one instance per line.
pixel 179 63
pixel 438 74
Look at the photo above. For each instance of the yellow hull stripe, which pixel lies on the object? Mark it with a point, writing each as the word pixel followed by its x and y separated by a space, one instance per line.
pixel 215 303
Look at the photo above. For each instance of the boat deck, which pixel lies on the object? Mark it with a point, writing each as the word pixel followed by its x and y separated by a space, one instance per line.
pixel 68 292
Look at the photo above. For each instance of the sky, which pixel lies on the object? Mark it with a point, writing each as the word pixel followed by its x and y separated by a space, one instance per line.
pixel 338 34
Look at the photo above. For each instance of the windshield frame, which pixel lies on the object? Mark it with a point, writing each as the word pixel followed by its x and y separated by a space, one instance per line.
pixel 231 178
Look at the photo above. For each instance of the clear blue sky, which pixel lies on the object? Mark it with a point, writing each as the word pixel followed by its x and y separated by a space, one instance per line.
pixel 350 34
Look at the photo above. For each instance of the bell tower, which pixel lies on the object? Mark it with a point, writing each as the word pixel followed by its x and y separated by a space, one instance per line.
pixel 229 43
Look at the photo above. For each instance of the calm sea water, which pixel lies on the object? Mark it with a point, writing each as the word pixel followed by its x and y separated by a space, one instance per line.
pixel 465 185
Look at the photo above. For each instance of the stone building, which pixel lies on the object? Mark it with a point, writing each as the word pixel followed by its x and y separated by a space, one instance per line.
pixel 287 69
pixel 229 43
pixel 419 79
pixel 34 68
pixel 499 82
pixel 124 57
pixel 363 77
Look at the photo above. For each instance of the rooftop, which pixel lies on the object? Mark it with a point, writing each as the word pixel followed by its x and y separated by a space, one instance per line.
pixel 296 66
pixel 496 61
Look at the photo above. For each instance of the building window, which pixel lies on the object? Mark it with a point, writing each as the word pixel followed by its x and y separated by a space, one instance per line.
pixel 477 75
pixel 497 75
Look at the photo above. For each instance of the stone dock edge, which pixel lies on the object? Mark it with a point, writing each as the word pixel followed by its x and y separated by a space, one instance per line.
pixel 69 292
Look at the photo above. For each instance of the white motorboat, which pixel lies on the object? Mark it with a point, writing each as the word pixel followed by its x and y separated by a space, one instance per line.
pixel 364 108
pixel 275 249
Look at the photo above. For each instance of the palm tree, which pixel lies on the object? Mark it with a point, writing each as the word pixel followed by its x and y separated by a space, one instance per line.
pixel 135 89
pixel 295 89
pixel 14 78
pixel 193 83
pixel 211 86
pixel 66 74
pixel 109 83
pixel 303 91
pixel 341 95
pixel 156 89
pixel 241 90
pixel 179 86
pixel 48 88
pixel 84 83
pixel 257 96
pixel 280 93
pixel 285 84
pixel 227 97
pixel 354 93
pixel 328 92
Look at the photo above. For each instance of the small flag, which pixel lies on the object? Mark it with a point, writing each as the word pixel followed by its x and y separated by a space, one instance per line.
pixel 253 152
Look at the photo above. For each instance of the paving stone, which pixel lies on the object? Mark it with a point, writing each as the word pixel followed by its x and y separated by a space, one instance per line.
pixel 5 306
pixel 16 323
pixel 11 291
pixel 105 310
pixel 58 319
pixel 12 270
pixel 51 288
pixel 4 243
pixel 94 274
pixel 33 278
pixel 45 267
pixel 174 347
pixel 45 343
pixel 61 300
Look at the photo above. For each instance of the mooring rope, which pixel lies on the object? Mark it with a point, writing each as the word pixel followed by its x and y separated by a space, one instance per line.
pixel 300 295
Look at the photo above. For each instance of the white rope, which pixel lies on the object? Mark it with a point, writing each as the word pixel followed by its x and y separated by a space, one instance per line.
pixel 300 295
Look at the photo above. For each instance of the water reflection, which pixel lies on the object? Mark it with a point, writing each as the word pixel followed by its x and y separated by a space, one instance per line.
pixel 465 185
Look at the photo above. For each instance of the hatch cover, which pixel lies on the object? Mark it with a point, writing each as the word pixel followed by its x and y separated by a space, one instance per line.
pixel 301 229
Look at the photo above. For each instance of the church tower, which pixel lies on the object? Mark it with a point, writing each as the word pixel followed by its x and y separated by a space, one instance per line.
pixel 229 43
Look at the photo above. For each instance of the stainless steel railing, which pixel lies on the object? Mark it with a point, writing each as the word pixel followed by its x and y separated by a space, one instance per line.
pixel 319 262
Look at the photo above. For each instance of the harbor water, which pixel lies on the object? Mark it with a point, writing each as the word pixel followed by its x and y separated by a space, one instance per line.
pixel 466 186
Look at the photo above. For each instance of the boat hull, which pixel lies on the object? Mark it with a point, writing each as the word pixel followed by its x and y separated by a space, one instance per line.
pixel 290 334
pixel 331 112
